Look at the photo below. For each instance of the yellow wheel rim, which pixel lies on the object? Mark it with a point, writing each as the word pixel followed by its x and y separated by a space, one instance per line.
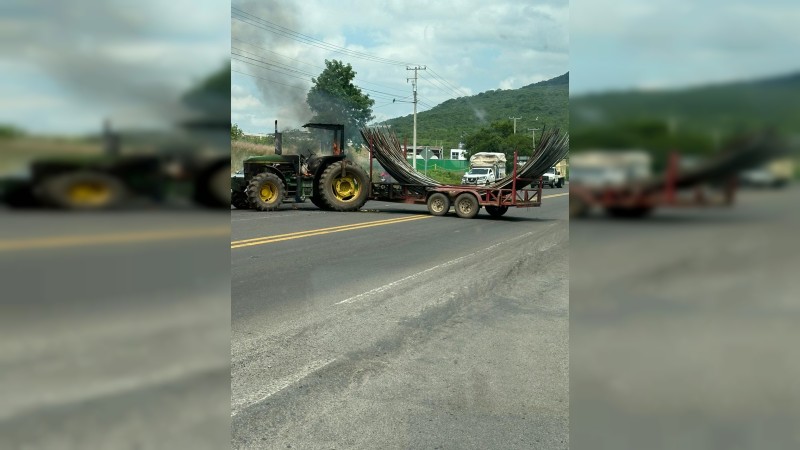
pixel 345 188
pixel 267 193
pixel 89 194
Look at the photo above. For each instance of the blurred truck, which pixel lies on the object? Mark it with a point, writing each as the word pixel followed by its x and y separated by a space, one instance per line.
pixel 601 168
pixel 775 174
pixel 485 168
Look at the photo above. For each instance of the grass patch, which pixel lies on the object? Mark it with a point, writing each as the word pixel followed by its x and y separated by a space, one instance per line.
pixel 446 176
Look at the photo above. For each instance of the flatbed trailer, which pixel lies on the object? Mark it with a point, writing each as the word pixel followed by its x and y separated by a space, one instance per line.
pixel 466 199
pixel 635 201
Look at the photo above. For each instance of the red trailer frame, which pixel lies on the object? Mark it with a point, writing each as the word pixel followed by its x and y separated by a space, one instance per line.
pixel 633 201
pixel 496 201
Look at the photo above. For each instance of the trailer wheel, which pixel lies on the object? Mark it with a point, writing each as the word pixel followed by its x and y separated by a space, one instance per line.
pixel 240 201
pixel 82 191
pixel 344 189
pixel 467 206
pixel 496 211
pixel 438 204
pixel 266 191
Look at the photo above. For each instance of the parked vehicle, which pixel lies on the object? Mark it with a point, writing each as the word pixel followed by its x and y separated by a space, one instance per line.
pixel 485 168
pixel 553 178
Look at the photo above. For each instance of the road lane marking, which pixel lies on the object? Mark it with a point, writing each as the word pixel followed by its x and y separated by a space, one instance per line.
pixel 279 385
pixel 309 233
pixel 112 238
pixel 387 286
pixel 555 195
pixel 242 241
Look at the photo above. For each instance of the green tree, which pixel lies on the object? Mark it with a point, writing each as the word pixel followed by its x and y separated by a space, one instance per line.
pixel 236 132
pixel 335 99
pixel 499 137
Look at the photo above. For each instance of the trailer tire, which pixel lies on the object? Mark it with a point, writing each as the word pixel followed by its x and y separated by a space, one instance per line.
pixel 438 204
pixel 496 211
pixel 344 190
pixel 265 191
pixel 239 200
pixel 467 206
pixel 87 191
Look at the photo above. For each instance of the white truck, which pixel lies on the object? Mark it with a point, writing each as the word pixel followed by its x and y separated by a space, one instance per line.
pixel 485 168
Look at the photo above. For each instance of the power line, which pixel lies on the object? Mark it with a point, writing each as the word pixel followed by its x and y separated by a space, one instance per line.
pixel 309 64
pixel 258 22
pixel 455 89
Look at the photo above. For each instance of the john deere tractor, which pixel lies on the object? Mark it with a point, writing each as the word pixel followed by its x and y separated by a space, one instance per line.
pixel 331 182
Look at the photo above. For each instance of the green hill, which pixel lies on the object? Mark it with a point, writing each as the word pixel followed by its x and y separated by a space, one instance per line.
pixel 714 109
pixel 447 122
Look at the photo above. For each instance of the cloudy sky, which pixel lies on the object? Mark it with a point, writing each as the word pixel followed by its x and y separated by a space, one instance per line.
pixel 623 44
pixel 468 47
pixel 64 66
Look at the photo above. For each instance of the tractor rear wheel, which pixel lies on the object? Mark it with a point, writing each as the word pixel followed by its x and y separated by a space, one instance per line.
pixel 265 191
pixel 82 191
pixel 496 211
pixel 438 204
pixel 344 186
pixel 467 206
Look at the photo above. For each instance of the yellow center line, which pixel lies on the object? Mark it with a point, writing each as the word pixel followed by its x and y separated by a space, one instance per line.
pixel 309 233
pixel 319 229
pixel 112 238
pixel 555 195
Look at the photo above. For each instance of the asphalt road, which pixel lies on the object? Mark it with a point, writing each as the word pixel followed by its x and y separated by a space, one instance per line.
pixel 114 330
pixel 684 328
pixel 409 331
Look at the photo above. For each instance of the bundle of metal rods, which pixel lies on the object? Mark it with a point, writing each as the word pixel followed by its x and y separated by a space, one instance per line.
pixel 744 153
pixel 553 146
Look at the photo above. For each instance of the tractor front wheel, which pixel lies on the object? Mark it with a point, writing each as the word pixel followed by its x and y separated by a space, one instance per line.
pixel 265 191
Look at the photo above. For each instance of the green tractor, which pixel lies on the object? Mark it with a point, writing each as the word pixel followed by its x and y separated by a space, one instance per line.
pixel 331 182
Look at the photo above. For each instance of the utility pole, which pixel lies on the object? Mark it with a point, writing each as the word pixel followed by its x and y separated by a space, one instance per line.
pixel 533 136
pixel 515 119
pixel 414 85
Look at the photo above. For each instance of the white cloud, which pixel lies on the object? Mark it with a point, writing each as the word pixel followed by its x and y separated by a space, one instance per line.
pixel 473 46
pixel 245 102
